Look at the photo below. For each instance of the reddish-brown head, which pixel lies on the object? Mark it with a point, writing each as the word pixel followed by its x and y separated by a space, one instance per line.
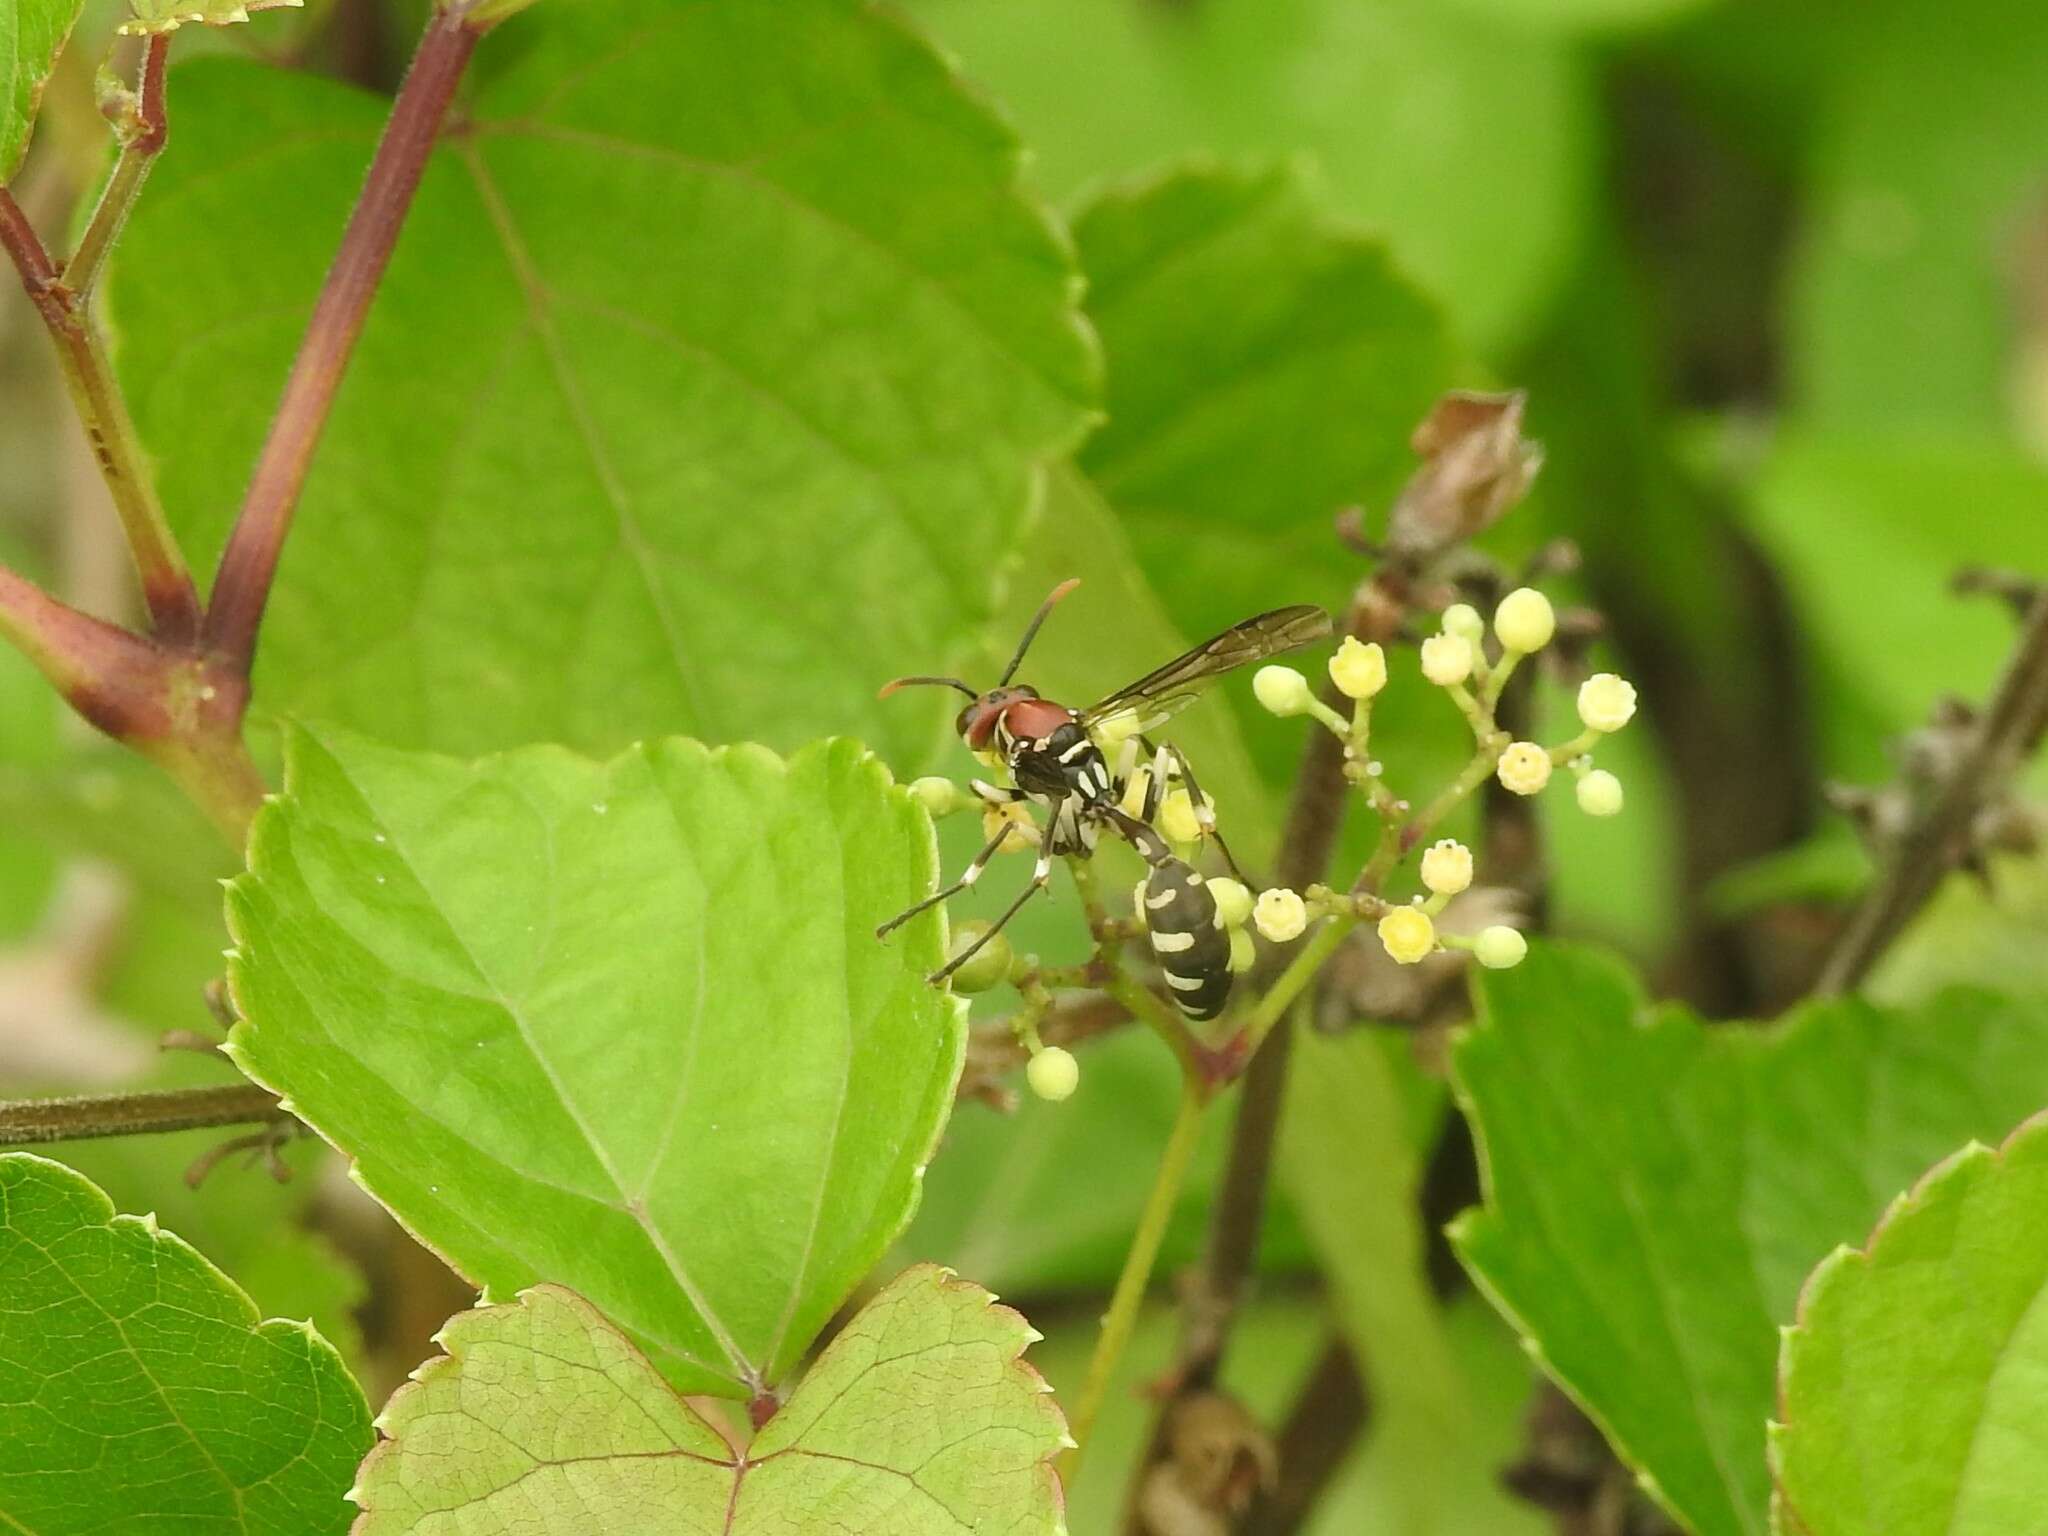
pixel 977 722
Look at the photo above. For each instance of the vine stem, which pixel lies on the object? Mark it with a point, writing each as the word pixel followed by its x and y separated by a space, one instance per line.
pixel 1122 1317
pixel 141 142
pixel 1939 837
pixel 36 1121
pixel 249 563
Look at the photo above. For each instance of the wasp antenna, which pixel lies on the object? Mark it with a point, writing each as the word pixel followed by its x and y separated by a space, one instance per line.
pixel 1031 629
pixel 936 682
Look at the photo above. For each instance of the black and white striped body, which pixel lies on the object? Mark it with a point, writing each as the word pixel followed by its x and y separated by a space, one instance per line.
pixel 1188 938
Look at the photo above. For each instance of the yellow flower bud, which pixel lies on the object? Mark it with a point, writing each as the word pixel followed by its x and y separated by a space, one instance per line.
pixel 1112 731
pixel 1463 620
pixel 1606 702
pixel 1499 948
pixel 1023 830
pixel 1408 934
pixel 1177 818
pixel 1134 792
pixel 1233 900
pixel 1600 794
pixel 1243 953
pixel 1053 1074
pixel 1524 768
pixel 1280 914
pixel 1359 671
pixel 1447 660
pixel 1447 867
pixel 1282 690
pixel 991 963
pixel 1524 620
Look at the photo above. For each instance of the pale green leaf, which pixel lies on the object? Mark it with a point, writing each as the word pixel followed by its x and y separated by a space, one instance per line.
pixel 622 1026
pixel 1350 1164
pixel 1845 515
pixel 1657 1191
pixel 705 390
pixel 140 1392
pixel 1914 289
pixel 1914 1389
pixel 919 1419
pixel 169 15
pixel 31 33
pixel 1265 368
pixel 1576 16
pixel 1467 144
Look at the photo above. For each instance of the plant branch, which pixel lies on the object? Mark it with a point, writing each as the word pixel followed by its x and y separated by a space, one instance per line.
pixel 1314 1443
pixel 35 1121
pixel 1939 836
pixel 242 586
pixel 1122 1317
pixel 143 135
pixel 167 589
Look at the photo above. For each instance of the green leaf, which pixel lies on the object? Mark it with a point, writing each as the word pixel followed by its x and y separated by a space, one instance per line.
pixel 140 1392
pixel 1350 1164
pixel 169 15
pixel 1657 1191
pixel 705 390
pixel 621 1026
pixel 32 33
pixel 1574 16
pixel 1849 514
pixel 1468 144
pixel 1265 368
pixel 1914 293
pixel 1915 1385
pixel 919 1419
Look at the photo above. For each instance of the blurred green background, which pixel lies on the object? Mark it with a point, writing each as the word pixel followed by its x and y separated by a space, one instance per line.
pixel 1775 275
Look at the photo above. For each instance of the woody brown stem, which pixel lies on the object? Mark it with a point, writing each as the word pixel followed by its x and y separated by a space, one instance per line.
pixel 39 1121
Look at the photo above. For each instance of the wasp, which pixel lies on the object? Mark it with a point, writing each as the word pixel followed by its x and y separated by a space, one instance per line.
pixel 1058 759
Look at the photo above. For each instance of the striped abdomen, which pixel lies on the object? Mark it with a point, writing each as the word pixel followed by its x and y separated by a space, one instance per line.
pixel 1188 940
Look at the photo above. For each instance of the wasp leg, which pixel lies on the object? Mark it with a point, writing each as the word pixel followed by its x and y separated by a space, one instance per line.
pixel 1205 815
pixel 967 877
pixel 1041 877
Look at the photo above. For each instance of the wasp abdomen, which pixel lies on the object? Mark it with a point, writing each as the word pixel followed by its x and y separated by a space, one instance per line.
pixel 1188 940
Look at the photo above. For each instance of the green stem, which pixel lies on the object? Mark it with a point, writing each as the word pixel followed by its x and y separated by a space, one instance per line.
pixel 1391 851
pixel 141 142
pixel 1122 1317
pixel 1301 970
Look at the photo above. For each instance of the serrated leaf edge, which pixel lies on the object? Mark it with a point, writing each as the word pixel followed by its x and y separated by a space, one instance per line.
pixel 1968 1164
pixel 280 803
pixel 943 1279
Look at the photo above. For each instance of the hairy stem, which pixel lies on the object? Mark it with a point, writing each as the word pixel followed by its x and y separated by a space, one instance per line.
pixel 167 589
pixel 249 562
pixel 32 1121
pixel 142 141
pixel 1939 836
pixel 1122 1316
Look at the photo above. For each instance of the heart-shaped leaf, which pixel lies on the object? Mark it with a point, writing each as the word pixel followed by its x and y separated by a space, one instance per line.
pixel 1657 1191
pixel 139 1391
pixel 621 1026
pixel 31 33
pixel 919 1419
pixel 705 391
pixel 1914 1390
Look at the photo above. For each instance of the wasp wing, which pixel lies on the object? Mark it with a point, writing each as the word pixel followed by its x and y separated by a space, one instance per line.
pixel 1143 705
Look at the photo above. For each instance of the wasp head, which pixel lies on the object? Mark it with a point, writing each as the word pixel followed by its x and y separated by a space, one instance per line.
pixel 977 722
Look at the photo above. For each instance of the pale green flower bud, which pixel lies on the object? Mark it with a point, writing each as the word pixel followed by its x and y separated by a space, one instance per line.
pixel 1233 900
pixel 1053 1074
pixel 1600 794
pixel 1447 660
pixel 1282 690
pixel 1524 621
pixel 1499 948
